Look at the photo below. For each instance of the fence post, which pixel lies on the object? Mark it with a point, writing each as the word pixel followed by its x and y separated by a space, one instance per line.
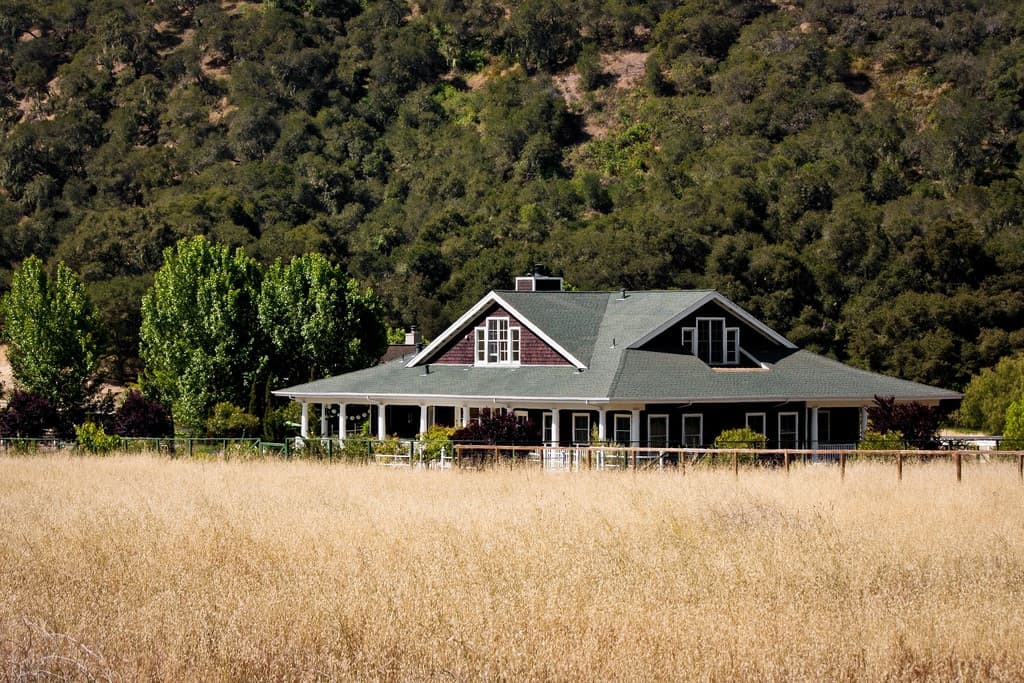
pixel 899 466
pixel 959 466
pixel 736 464
pixel 590 463
pixel 634 459
pixel 190 447
pixel 1020 466
pixel 458 455
pixel 785 459
pixel 842 464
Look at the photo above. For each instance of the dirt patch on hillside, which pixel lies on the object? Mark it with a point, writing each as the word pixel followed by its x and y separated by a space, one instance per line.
pixel 627 68
pixel 622 71
pixel 622 74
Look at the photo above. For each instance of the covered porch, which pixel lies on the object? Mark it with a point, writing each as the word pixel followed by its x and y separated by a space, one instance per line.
pixel 786 425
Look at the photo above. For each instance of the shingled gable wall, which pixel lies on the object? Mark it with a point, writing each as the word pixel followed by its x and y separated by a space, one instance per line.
pixel 533 349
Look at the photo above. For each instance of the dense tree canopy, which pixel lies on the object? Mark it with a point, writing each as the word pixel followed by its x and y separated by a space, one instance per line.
pixel 849 171
pixel 51 331
pixel 200 339
pixel 317 320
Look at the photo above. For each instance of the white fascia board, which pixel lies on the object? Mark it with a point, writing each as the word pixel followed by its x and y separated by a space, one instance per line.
pixel 447 399
pixel 811 401
pixel 468 317
pixel 443 399
pixel 726 303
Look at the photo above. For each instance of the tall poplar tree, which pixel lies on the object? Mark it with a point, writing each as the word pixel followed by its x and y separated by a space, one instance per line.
pixel 51 331
pixel 199 338
pixel 318 320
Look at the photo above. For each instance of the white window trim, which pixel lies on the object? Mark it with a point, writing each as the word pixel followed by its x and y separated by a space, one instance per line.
pixel 628 431
pixel 700 429
pixel 480 345
pixel 729 356
pixel 764 421
pixel 574 441
pixel 732 356
pixel 796 430
pixel 650 420
pixel 690 345
pixel 547 427
pixel 512 344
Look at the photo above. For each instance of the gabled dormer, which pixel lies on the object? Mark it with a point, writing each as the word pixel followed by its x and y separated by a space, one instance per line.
pixel 719 333
pixel 494 334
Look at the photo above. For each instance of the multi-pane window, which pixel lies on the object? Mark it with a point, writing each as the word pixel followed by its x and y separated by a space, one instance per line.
pixel 713 342
pixel 496 342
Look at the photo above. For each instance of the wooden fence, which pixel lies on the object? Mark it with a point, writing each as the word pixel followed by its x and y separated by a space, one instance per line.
pixel 634 458
pixel 411 453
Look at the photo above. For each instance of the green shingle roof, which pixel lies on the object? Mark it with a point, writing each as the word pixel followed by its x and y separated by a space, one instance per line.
pixel 598 329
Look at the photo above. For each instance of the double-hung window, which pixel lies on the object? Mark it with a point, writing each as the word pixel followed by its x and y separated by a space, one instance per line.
pixel 623 429
pixel 713 342
pixel 581 429
pixel 756 422
pixel 693 430
pixel 497 342
pixel 789 430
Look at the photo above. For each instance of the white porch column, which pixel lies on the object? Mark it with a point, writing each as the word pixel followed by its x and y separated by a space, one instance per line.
pixel 863 421
pixel 382 429
pixel 634 428
pixel 464 415
pixel 814 427
pixel 304 424
pixel 323 420
pixel 554 425
pixel 342 420
pixel 601 427
pixel 423 418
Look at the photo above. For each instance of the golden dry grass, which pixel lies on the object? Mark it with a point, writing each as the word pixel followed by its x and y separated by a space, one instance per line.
pixel 146 568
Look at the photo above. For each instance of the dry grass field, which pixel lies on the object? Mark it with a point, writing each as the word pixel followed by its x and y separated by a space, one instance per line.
pixel 130 568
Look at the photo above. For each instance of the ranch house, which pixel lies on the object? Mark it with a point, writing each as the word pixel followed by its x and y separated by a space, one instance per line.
pixel 642 368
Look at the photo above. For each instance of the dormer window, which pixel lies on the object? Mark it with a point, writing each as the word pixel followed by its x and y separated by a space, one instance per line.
pixel 713 342
pixel 497 342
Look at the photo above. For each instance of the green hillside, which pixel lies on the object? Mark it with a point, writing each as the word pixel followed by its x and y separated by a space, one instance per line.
pixel 849 170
